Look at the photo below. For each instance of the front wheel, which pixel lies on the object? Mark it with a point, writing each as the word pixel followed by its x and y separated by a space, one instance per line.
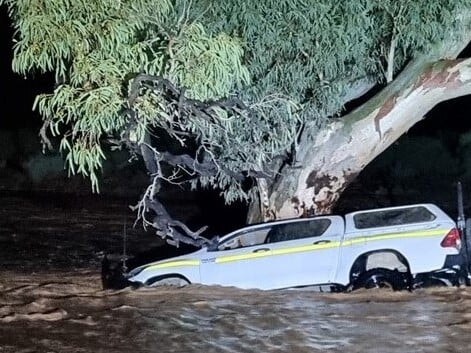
pixel 381 278
pixel 173 281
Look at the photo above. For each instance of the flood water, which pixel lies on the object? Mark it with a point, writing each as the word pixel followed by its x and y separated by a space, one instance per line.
pixel 51 300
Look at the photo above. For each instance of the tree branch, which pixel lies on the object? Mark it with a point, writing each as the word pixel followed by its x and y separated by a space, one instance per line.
pixel 185 105
pixel 46 142
pixel 390 68
pixel 149 209
pixel 152 212
pixel 173 231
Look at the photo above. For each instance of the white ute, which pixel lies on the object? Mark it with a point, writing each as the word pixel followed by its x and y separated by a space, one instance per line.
pixel 397 247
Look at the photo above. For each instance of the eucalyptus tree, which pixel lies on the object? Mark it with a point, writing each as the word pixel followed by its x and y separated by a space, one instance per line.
pixel 259 95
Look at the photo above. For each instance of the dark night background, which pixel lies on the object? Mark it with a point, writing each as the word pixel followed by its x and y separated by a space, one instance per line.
pixel 30 175
pixel 421 167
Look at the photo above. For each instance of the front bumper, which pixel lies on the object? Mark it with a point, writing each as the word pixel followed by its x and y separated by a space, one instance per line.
pixel 113 276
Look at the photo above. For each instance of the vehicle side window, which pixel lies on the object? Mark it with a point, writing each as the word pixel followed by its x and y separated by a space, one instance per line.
pixel 393 217
pixel 248 238
pixel 298 230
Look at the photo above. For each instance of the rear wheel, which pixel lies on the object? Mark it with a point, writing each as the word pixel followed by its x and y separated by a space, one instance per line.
pixel 443 279
pixel 381 278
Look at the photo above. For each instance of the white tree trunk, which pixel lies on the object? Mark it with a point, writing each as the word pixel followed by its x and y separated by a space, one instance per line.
pixel 329 159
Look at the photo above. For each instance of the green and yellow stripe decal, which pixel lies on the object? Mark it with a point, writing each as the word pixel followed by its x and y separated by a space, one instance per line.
pixel 333 244
pixel 176 263
pixel 389 236
pixel 246 256
pixel 274 252
pixel 303 248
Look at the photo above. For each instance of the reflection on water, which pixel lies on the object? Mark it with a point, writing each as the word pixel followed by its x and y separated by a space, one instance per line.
pixel 70 313
pixel 51 301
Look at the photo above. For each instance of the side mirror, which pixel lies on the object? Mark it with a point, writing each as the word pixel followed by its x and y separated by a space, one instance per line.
pixel 213 244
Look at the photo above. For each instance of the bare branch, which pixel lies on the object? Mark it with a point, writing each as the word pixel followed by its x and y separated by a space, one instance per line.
pixel 43 134
pixel 152 213
pixel 173 231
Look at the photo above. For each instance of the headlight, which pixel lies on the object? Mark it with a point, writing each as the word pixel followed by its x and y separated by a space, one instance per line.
pixel 135 272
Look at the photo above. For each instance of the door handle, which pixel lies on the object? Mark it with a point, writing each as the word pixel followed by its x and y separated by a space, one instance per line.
pixel 321 242
pixel 433 226
pixel 261 250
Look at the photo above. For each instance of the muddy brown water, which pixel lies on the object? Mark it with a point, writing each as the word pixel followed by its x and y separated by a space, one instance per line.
pixel 51 301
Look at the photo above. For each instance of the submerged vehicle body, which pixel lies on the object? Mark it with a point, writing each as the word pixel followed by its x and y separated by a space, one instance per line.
pixel 398 247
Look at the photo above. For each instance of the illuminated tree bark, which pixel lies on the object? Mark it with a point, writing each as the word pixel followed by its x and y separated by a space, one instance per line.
pixel 328 161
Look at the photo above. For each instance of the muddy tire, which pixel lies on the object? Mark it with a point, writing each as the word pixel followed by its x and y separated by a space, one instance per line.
pixel 381 278
pixel 172 281
pixel 431 281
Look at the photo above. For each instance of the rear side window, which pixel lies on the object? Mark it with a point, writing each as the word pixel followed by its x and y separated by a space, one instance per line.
pixel 297 230
pixel 393 217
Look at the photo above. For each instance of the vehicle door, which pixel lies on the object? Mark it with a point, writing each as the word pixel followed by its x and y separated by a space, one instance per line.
pixel 306 252
pixel 281 255
pixel 242 259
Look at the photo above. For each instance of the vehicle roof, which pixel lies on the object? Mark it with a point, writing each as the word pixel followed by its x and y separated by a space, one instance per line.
pixel 348 217
pixel 430 206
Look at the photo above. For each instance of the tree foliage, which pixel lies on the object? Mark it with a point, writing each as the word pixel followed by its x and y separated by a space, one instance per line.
pixel 94 48
pixel 290 62
pixel 313 50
